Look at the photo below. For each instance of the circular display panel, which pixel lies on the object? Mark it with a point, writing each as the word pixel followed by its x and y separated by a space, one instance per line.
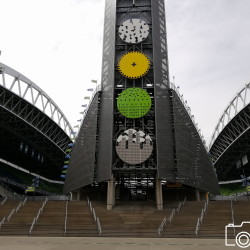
pixel 134 103
pixel 134 65
pixel 133 31
pixel 134 147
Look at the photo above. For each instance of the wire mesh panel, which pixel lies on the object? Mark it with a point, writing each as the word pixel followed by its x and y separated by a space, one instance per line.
pixel 105 143
pixel 81 166
pixel 193 163
pixel 164 134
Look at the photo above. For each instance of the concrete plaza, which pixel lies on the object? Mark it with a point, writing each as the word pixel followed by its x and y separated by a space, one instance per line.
pixel 105 243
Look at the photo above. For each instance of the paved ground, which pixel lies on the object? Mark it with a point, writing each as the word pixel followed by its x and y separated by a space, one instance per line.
pixel 99 243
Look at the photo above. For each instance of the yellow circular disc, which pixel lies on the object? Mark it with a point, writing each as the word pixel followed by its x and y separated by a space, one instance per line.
pixel 134 65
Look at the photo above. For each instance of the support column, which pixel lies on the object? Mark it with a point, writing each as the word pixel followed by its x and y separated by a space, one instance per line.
pixel 197 194
pixel 114 179
pixel 110 193
pixel 78 197
pixel 158 187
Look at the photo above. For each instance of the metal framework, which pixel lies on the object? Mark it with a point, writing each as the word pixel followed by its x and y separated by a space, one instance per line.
pixel 23 121
pixel 25 88
pixel 168 110
pixel 240 101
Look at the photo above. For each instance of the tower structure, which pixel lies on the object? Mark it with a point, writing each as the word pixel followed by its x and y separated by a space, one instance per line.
pixel 137 133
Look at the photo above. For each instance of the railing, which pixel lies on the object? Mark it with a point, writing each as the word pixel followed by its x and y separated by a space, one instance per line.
pixel 228 197
pixel 38 198
pixel 179 208
pixel 92 210
pixel 171 217
pixel 2 221
pixel 199 221
pixel 8 218
pixel 9 190
pixel 184 201
pixel 99 225
pixel 37 217
pixel 20 204
pixel 66 216
pixel 24 201
pixel 5 199
pixel 161 228
pixel 232 209
pixel 23 186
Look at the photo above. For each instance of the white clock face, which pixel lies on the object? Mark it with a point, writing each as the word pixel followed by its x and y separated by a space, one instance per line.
pixel 133 31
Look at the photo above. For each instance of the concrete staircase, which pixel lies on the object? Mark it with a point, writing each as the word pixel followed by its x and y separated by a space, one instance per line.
pixel 21 221
pixel 80 221
pixel 218 216
pixel 183 224
pixel 51 220
pixel 132 219
pixel 127 219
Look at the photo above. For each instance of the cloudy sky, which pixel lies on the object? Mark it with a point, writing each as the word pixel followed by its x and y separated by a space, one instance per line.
pixel 58 45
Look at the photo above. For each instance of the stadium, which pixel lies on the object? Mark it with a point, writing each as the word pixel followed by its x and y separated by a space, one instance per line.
pixel 139 166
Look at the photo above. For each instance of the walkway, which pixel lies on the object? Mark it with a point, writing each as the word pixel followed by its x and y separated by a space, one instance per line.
pixel 90 243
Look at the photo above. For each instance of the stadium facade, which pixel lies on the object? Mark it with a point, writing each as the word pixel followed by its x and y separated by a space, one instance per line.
pixel 138 135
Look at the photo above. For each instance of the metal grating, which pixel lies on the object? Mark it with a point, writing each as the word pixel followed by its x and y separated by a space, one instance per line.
pixel 193 162
pixel 81 166
pixel 105 143
pixel 164 134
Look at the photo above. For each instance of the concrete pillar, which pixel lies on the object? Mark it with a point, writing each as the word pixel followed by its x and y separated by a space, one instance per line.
pixel 114 179
pixel 110 193
pixel 78 197
pixel 197 194
pixel 158 188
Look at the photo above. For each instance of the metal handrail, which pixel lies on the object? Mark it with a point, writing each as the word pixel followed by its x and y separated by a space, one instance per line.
pixel 199 222
pixel 38 214
pixel 184 201
pixel 2 221
pixel 20 204
pixel 92 210
pixel 12 211
pixel 171 216
pixel 4 201
pixel 66 216
pixel 179 208
pixel 99 225
pixel 163 223
pixel 24 201
pixel 232 209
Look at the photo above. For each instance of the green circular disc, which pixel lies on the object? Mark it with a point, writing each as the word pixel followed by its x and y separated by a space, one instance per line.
pixel 134 103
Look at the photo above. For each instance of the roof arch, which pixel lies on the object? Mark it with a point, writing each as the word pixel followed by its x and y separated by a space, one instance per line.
pixel 237 103
pixel 22 86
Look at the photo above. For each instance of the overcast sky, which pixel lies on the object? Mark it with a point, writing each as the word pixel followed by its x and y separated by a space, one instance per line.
pixel 58 45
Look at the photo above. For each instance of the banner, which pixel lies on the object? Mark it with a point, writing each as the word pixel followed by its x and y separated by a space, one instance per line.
pixel 30 189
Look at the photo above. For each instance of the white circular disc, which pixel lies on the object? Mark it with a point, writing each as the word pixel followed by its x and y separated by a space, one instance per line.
pixel 133 31
pixel 134 147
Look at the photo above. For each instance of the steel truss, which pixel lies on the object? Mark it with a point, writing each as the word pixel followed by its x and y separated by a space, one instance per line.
pixel 23 121
pixel 232 144
pixel 39 98
pixel 239 102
